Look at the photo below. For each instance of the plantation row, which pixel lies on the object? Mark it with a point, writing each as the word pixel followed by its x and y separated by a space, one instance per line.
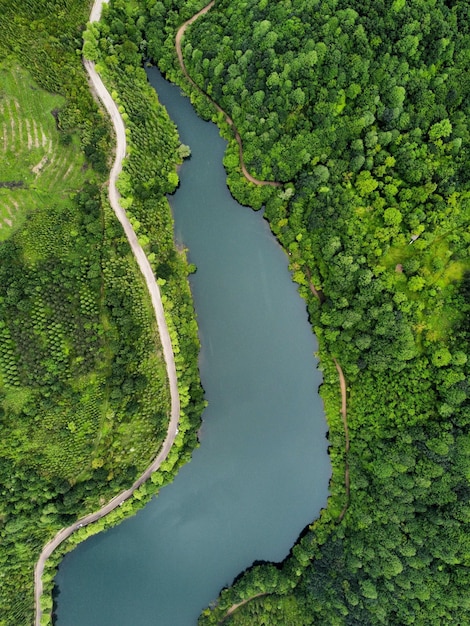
pixel 37 168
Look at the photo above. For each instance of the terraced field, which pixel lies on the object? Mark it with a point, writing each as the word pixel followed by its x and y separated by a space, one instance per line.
pixel 38 165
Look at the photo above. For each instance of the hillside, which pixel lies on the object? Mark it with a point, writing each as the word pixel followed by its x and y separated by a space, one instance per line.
pixel 84 403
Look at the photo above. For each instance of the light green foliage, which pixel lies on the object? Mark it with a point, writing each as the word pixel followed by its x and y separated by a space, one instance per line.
pixel 36 167
pixel 184 151
pixel 173 179
pixel 441 129
pixel 392 216
pixel 366 184
pixel 441 357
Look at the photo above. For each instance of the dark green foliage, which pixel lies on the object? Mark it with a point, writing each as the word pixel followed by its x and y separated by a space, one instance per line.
pixel 363 108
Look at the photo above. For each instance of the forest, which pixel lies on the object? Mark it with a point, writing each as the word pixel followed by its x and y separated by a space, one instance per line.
pixel 361 111
pixel 84 402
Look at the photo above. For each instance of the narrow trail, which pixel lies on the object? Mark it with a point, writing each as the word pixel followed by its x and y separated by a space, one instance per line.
pixel 236 606
pixel 318 293
pixel 344 415
pixel 152 285
pixel 228 119
pixel 344 406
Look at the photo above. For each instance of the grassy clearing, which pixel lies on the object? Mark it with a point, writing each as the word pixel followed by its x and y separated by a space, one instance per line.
pixel 429 272
pixel 38 165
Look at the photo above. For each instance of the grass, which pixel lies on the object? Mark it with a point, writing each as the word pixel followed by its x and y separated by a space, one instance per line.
pixel 36 167
pixel 441 271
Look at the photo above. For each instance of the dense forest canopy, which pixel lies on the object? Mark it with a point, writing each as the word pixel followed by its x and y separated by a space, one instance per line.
pixel 361 109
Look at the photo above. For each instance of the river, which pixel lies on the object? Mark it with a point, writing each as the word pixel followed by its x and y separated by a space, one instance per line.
pixel 261 473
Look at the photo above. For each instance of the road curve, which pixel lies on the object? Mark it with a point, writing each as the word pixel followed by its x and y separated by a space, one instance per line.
pixel 179 36
pixel 154 291
pixel 236 606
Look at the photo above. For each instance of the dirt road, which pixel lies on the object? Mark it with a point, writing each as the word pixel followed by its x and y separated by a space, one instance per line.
pixel 344 407
pixel 154 291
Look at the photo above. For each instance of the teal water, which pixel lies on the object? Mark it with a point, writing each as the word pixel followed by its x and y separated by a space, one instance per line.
pixel 261 473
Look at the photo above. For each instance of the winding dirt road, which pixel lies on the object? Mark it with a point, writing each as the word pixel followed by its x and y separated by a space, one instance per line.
pixel 154 291
pixel 236 606
pixel 228 119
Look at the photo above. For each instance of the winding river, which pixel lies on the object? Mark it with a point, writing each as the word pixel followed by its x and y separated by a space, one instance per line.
pixel 261 473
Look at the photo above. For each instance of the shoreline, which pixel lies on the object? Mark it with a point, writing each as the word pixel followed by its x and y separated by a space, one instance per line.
pixel 179 36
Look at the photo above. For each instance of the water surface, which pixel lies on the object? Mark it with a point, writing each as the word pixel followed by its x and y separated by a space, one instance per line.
pixel 261 473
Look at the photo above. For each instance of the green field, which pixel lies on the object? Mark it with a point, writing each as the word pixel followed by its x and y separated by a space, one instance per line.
pixel 36 164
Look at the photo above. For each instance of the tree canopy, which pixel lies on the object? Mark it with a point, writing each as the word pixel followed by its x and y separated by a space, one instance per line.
pixel 361 109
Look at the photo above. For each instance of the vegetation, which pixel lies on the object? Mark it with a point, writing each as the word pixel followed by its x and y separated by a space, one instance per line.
pixel 84 403
pixel 35 165
pixel 361 109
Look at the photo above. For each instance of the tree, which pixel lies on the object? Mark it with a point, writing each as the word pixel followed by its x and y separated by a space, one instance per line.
pixel 365 184
pixel 441 129
pixel 392 216
pixel 441 357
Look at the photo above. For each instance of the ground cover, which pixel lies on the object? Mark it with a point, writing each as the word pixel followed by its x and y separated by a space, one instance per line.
pixel 36 164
